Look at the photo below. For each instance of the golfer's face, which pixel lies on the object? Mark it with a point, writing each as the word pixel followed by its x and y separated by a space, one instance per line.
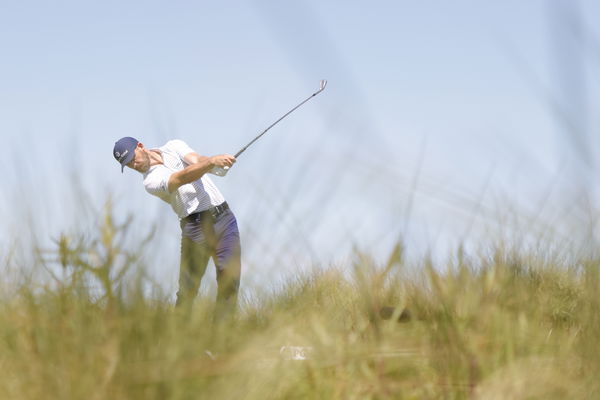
pixel 141 161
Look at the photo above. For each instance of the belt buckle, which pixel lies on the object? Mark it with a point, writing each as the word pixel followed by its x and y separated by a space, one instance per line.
pixel 217 210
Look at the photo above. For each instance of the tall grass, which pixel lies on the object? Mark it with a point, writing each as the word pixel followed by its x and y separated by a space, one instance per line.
pixel 504 324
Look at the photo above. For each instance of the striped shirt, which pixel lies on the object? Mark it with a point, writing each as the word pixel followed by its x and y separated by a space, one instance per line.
pixel 189 198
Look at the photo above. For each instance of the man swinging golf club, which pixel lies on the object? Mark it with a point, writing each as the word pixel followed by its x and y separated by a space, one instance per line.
pixel 177 175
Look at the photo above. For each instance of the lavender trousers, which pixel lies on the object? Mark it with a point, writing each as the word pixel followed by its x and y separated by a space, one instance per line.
pixel 212 233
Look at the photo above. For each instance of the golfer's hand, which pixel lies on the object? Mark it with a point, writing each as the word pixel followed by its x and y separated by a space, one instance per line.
pixel 223 160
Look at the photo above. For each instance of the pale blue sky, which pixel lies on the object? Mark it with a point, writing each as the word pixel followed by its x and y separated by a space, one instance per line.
pixel 435 111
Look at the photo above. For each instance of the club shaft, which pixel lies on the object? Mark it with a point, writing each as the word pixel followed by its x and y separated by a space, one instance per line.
pixel 275 123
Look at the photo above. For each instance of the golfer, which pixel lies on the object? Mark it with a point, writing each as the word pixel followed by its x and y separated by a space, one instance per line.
pixel 178 175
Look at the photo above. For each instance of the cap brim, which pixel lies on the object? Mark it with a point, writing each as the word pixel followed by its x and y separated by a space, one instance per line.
pixel 127 160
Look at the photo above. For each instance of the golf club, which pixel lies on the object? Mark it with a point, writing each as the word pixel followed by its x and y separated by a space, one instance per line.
pixel 222 171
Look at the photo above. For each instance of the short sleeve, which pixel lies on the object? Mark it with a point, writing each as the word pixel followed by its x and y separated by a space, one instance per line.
pixel 180 147
pixel 157 182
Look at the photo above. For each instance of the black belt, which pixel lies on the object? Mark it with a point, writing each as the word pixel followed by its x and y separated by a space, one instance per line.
pixel 213 212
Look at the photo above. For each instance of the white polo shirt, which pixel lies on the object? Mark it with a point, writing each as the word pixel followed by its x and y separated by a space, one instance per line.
pixel 189 198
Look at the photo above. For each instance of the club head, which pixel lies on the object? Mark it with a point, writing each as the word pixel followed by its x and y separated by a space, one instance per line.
pixel 322 84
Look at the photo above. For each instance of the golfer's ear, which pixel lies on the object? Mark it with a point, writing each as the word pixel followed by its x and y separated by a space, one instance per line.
pixel 140 145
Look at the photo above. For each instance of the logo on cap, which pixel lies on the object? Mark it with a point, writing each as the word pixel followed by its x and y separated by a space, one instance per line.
pixel 122 156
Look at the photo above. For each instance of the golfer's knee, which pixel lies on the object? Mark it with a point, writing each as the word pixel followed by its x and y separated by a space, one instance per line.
pixel 227 285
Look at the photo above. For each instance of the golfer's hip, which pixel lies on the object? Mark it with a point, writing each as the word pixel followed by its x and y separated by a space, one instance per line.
pixel 195 225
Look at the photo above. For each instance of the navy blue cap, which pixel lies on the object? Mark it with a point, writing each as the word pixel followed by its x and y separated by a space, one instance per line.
pixel 124 150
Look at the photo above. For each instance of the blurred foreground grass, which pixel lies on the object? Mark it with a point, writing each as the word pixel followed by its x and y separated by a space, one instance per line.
pixel 501 325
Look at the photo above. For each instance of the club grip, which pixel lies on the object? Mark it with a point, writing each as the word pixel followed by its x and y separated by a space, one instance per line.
pixel 219 171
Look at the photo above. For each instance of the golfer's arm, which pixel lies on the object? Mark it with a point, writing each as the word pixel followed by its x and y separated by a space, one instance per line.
pixel 194 158
pixel 199 165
